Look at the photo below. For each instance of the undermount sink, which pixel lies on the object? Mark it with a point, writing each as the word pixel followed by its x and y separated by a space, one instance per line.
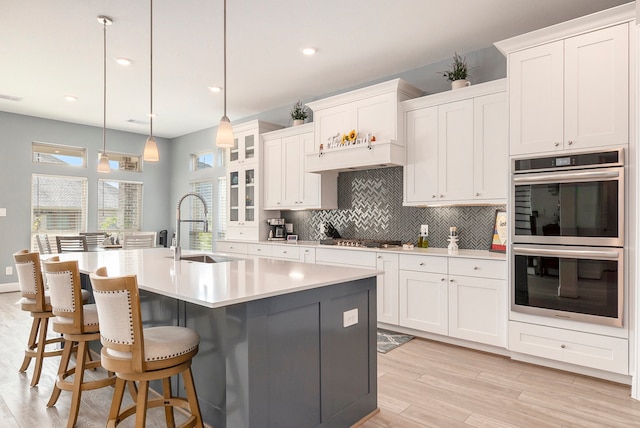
pixel 205 258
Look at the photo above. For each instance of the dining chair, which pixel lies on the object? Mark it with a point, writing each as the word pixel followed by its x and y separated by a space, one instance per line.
pixel 44 247
pixel 35 299
pixel 94 239
pixel 138 240
pixel 68 244
pixel 78 325
pixel 138 354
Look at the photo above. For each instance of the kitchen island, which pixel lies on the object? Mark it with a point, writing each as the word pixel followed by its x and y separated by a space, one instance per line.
pixel 283 344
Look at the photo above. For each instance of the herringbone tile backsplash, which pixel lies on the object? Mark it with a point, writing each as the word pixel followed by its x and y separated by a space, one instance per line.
pixel 370 207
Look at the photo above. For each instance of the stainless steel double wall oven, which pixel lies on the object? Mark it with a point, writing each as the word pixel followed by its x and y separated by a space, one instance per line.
pixel 567 234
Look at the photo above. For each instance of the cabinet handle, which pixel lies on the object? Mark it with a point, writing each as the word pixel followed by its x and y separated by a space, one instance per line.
pixel 476 268
pixel 284 252
pixel 563 346
pixel 306 251
pixel 451 280
pixel 278 203
pixel 421 263
pixel 477 194
pixel 442 279
pixel 556 144
pixel 231 248
pixel 258 250
pixel 379 257
pixel 442 196
pixel 433 196
pixel 570 142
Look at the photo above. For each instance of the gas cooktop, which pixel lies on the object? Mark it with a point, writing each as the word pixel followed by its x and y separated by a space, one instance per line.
pixel 368 243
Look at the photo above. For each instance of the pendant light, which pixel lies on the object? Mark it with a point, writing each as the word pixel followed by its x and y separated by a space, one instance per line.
pixel 224 138
pixel 150 147
pixel 103 163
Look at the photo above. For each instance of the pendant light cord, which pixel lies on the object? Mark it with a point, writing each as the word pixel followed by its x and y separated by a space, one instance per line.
pixel 104 87
pixel 151 68
pixel 224 29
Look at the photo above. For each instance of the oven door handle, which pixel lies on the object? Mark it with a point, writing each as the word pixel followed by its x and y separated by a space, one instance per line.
pixel 567 177
pixel 588 254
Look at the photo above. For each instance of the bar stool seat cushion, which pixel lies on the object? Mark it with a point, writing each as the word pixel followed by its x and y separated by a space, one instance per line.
pixel 47 299
pixel 163 343
pixel 90 316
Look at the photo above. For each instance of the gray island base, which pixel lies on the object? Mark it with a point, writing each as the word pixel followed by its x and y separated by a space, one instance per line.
pixel 302 357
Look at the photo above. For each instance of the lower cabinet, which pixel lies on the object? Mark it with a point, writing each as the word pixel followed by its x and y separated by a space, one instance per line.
pixel 231 247
pixel 585 349
pixel 457 297
pixel 387 288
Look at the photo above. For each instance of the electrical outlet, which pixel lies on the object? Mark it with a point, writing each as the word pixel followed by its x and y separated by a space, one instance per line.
pixel 424 229
pixel 350 317
pixel 8 270
pixel 321 227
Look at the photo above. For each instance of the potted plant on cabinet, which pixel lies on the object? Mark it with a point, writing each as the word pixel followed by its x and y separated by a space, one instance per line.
pixel 299 113
pixel 458 72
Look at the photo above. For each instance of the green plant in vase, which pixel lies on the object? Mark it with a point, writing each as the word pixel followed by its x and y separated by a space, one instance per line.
pixel 458 72
pixel 299 112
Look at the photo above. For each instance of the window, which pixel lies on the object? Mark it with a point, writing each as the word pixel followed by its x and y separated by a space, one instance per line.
pixel 198 239
pixel 58 154
pixel 119 206
pixel 58 205
pixel 222 207
pixel 202 161
pixel 124 162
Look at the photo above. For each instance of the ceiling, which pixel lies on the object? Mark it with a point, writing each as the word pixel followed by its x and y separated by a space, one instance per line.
pixel 51 49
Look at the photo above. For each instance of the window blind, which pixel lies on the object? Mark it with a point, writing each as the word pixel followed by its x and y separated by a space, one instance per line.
pixel 58 205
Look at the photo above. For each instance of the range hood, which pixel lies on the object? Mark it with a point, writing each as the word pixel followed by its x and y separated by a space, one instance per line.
pixel 374 114
pixel 357 157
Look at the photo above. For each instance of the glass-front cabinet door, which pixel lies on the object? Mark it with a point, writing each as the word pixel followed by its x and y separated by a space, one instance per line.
pixel 245 146
pixel 242 196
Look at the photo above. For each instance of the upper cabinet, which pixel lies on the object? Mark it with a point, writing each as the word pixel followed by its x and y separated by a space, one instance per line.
pixel 286 184
pixel 569 84
pixel 373 113
pixel 246 142
pixel 457 148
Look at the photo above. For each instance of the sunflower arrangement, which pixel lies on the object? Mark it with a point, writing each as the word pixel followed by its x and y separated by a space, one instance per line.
pixel 349 138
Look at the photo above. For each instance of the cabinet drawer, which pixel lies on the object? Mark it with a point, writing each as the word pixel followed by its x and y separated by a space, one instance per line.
pixel 346 257
pixel 259 249
pixel 231 247
pixel 496 269
pixel 285 252
pixel 308 255
pixel 242 233
pixel 423 263
pixel 583 349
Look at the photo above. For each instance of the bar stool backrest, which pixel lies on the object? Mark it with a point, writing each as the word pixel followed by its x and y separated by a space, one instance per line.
pixel 118 303
pixel 44 246
pixel 30 281
pixel 65 293
pixel 94 239
pixel 66 244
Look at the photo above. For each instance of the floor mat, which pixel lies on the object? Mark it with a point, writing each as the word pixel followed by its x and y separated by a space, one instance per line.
pixel 388 340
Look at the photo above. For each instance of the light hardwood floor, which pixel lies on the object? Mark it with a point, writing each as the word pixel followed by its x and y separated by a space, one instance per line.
pixel 420 384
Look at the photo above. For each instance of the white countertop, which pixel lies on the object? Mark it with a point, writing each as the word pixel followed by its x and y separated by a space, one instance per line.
pixel 215 284
pixel 431 251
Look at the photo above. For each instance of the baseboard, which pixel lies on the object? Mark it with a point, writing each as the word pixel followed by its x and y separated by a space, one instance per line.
pixel 9 287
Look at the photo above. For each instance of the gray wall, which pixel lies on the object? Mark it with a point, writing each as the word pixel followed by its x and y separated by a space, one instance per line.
pixel 17 132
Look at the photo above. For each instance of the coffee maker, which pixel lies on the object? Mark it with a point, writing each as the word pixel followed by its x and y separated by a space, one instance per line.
pixel 277 229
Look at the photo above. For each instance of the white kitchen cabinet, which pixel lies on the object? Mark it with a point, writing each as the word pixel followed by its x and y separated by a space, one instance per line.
pixel 246 216
pixel 455 151
pixel 571 93
pixel 231 247
pixel 478 300
pixel 457 297
pixel 259 249
pixel 457 148
pixel 423 301
pixel 387 288
pixel 307 255
pixel 286 184
pixel 246 142
pixel 584 349
pixel 490 147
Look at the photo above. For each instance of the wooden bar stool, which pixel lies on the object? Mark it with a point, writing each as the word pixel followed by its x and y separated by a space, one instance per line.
pixel 35 299
pixel 142 355
pixel 78 325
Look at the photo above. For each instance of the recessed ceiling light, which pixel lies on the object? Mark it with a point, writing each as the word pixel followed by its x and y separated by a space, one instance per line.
pixel 123 61
pixel 309 51
pixel 215 89
pixel 70 98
